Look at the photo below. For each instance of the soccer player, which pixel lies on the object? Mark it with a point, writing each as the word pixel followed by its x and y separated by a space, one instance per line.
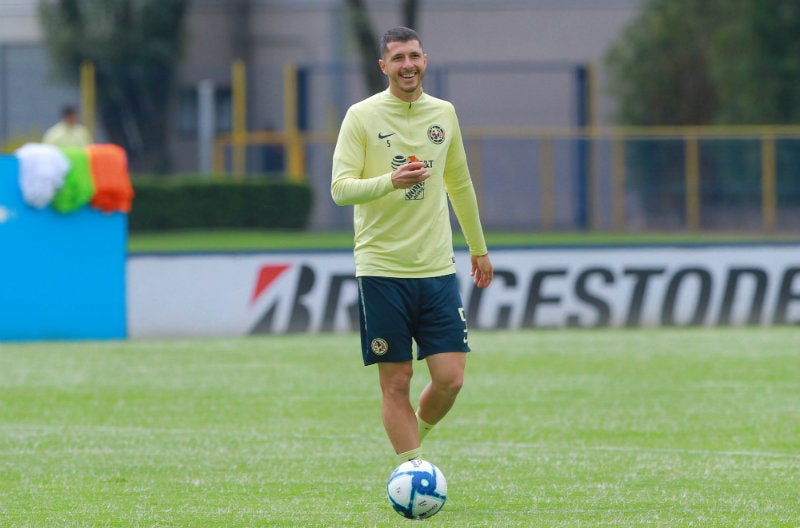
pixel 398 157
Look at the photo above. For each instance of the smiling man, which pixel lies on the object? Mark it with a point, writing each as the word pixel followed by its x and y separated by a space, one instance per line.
pixel 398 158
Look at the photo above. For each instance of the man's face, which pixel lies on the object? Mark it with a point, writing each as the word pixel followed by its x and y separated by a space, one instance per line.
pixel 404 64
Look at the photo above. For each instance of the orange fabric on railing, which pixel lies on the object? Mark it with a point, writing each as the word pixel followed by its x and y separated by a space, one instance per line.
pixel 112 184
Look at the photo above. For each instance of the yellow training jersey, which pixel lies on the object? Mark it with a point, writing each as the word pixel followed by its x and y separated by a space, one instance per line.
pixel 404 232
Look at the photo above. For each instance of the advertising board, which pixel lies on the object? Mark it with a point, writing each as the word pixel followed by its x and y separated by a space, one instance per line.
pixel 558 287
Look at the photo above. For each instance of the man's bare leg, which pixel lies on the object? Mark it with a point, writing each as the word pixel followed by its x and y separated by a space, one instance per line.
pixel 438 397
pixel 398 414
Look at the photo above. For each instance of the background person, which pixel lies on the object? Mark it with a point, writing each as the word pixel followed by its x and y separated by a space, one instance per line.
pixel 68 132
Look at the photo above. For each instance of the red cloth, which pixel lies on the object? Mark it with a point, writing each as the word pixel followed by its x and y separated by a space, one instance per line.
pixel 112 184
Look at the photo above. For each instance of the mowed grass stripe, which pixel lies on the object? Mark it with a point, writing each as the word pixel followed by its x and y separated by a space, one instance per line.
pixel 649 427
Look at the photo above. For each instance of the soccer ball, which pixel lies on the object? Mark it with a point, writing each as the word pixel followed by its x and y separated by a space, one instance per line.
pixel 417 489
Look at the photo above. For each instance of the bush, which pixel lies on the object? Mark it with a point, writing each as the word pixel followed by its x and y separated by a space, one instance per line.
pixel 198 202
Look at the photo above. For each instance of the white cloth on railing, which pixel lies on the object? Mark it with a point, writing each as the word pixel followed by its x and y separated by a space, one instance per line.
pixel 42 169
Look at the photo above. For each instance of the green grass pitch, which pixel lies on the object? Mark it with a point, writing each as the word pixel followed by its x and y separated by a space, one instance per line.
pixel 559 428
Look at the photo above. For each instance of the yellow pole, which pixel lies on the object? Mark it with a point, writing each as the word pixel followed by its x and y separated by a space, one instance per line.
pixel 768 184
pixel 618 183
pixel 294 143
pixel 692 162
pixel 88 91
pixel 239 125
pixel 547 183
pixel 218 158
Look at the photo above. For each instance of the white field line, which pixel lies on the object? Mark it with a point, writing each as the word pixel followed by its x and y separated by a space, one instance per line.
pixel 139 430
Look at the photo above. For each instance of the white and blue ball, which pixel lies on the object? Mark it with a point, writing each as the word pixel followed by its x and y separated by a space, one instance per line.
pixel 417 489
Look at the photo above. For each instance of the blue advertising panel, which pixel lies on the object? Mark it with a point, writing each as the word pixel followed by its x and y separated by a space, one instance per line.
pixel 62 276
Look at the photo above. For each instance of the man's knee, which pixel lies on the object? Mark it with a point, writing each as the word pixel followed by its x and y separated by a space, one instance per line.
pixel 447 371
pixel 395 378
pixel 450 382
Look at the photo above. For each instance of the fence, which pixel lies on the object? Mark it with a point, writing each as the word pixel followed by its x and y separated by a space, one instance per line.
pixel 578 177
pixel 604 179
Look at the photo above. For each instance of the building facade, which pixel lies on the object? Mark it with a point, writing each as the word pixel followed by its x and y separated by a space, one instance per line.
pixel 504 63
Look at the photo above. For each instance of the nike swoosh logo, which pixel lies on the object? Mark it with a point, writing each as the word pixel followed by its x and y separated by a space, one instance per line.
pixel 384 136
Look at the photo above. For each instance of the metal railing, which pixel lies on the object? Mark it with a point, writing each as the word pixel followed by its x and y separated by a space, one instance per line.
pixel 609 178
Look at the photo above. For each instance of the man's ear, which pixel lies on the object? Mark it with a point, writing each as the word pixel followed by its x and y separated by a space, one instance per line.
pixel 382 65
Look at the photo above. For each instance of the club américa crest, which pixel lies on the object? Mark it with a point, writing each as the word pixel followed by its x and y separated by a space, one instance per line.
pixel 379 346
pixel 436 134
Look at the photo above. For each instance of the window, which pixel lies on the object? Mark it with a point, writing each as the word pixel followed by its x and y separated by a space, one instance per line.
pixel 186 120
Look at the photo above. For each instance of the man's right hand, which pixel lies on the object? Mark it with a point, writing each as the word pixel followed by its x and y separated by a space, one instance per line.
pixel 409 174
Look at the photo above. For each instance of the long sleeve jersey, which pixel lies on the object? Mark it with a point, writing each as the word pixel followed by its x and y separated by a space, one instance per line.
pixel 404 233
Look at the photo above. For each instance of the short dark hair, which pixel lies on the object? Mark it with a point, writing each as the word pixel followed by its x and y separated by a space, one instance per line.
pixel 68 110
pixel 398 34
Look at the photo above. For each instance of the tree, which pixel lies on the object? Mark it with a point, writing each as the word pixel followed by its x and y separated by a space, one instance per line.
pixel 756 64
pixel 730 62
pixel 135 46
pixel 659 70
pixel 367 39
pixel 757 74
pixel 684 62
